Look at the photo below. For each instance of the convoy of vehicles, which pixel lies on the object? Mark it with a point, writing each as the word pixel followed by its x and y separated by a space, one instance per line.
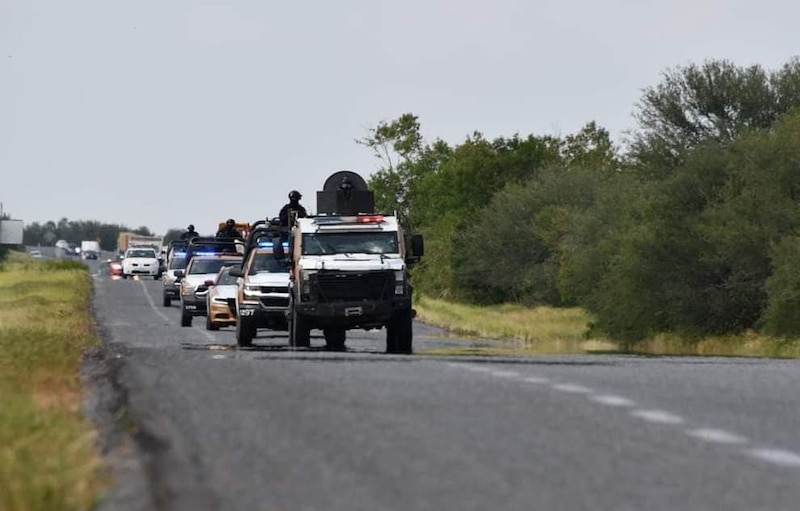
pixel 344 268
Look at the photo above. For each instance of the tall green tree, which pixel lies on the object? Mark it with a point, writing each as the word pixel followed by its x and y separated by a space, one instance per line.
pixel 713 101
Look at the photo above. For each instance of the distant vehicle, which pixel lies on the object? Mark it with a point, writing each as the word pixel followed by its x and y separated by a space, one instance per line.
pixel 176 261
pixel 221 300
pixel 90 249
pixel 115 268
pixel 127 240
pixel 36 254
pixel 62 249
pixel 141 261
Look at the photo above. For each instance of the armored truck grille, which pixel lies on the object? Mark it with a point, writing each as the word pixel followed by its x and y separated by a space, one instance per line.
pixel 275 301
pixel 354 286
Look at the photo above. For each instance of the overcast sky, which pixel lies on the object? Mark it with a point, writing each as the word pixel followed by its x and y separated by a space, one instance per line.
pixel 169 112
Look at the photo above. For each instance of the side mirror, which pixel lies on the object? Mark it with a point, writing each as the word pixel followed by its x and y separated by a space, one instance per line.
pixel 209 283
pixel 179 274
pixel 236 272
pixel 417 245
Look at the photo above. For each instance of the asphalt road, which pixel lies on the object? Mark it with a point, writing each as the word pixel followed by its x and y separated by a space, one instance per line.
pixel 273 429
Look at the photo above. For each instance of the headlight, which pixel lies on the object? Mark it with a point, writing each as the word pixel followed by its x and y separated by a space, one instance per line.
pixel 399 282
pixel 305 280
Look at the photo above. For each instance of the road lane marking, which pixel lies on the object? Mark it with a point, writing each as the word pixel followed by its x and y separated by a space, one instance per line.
pixel 218 357
pixel 717 436
pixel 152 303
pixel 572 388
pixel 478 369
pixel 612 400
pixel 505 374
pixel 538 380
pixel 777 457
pixel 657 416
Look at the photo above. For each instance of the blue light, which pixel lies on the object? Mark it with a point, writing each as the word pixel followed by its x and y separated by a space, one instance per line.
pixel 179 254
pixel 269 244
pixel 205 253
pixel 322 220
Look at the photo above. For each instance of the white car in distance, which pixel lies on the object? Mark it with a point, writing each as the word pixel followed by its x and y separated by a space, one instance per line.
pixel 142 261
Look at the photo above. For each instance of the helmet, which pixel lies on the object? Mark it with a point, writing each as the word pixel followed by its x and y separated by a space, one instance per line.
pixel 190 228
pixel 294 194
pixel 231 222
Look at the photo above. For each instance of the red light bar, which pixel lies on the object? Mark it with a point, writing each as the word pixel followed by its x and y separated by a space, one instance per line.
pixel 370 219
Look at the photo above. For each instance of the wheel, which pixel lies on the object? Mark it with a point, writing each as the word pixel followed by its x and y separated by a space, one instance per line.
pixel 124 275
pixel 186 318
pixel 299 331
pixel 210 325
pixel 245 332
pixel 335 338
pixel 399 335
pixel 167 301
pixel 156 277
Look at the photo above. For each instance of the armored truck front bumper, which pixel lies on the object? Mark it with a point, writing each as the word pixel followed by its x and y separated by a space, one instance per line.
pixel 353 314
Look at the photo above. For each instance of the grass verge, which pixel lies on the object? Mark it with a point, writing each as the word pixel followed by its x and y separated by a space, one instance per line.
pixel 48 459
pixel 540 330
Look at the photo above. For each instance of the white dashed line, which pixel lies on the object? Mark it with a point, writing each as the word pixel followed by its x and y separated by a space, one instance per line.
pixel 152 304
pixel 611 400
pixel 218 357
pixel 505 374
pixel 717 436
pixel 777 457
pixel 657 416
pixel 478 369
pixel 538 380
pixel 572 388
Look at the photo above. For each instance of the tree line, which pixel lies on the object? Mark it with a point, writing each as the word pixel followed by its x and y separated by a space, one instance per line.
pixel 691 226
pixel 75 231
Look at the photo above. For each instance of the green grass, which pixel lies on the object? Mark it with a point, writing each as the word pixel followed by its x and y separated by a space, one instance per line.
pixel 514 329
pixel 48 459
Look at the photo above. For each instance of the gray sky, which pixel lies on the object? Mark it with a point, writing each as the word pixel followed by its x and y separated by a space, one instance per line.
pixel 169 112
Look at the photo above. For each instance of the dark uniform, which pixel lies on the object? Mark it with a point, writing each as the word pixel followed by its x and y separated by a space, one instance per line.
pixel 229 232
pixel 189 234
pixel 293 205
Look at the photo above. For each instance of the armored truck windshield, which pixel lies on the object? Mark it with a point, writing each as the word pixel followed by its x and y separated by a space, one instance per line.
pixel 325 243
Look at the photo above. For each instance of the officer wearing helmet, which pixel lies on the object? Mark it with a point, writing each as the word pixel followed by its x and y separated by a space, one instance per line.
pixel 189 234
pixel 229 232
pixel 293 209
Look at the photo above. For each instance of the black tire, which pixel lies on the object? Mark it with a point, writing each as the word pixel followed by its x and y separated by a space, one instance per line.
pixel 399 333
pixel 186 318
pixel 245 332
pixel 335 338
pixel 156 277
pixel 210 325
pixel 299 331
pixel 167 301
pixel 124 275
